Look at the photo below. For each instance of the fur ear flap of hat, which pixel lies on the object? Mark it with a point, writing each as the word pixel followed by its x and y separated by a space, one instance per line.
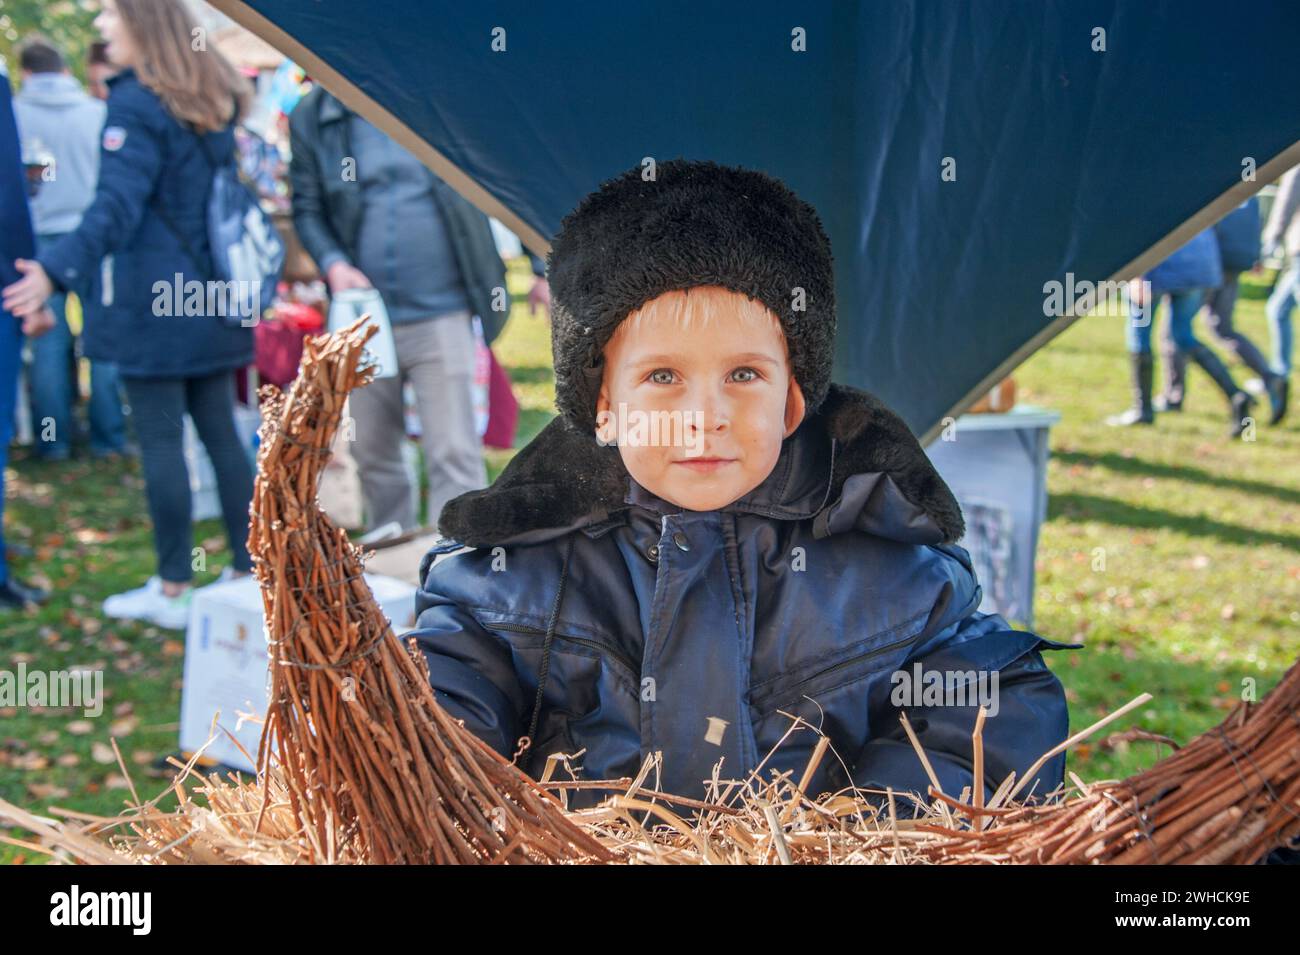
pixel 695 223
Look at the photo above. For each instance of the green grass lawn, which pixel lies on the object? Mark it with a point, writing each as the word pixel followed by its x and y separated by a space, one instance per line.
pixel 1200 587
pixel 1201 536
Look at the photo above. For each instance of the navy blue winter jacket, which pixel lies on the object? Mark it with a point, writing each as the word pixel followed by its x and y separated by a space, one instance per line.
pixel 1195 265
pixel 152 172
pixel 700 634
pixel 1238 235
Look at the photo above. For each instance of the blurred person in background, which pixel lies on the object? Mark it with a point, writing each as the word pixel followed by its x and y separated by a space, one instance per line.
pixel 1238 236
pixel 374 216
pixel 1183 279
pixel 59 125
pixel 16 241
pixel 1282 235
pixel 98 70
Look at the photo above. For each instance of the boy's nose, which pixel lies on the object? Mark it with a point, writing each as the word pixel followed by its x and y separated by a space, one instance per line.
pixel 710 412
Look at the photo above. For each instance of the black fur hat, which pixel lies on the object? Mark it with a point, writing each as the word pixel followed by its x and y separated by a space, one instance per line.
pixel 695 223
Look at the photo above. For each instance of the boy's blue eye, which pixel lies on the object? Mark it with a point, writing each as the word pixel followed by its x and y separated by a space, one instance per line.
pixel 755 375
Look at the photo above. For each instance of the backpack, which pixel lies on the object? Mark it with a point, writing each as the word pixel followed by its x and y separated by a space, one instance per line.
pixel 246 251
pixel 246 247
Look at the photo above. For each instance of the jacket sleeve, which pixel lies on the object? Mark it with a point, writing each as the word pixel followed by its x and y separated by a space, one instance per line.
pixel 130 163
pixel 471 671
pixel 309 217
pixel 986 662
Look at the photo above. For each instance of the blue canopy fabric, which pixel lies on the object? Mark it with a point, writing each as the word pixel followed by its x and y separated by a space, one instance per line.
pixel 1089 138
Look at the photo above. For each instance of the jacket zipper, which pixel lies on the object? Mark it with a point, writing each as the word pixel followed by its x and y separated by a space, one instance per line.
pixel 524 628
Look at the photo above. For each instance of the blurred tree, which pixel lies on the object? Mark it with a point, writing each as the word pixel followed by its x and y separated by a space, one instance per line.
pixel 66 23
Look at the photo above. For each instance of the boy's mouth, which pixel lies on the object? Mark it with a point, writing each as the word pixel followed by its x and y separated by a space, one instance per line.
pixel 705 463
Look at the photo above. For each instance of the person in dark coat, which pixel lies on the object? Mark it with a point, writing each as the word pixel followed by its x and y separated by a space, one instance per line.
pixel 143 245
pixel 780 564
pixel 1238 236
pixel 16 242
pixel 1184 279
pixel 61 123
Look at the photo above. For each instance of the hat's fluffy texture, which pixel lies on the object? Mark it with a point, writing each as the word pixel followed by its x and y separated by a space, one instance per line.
pixel 696 223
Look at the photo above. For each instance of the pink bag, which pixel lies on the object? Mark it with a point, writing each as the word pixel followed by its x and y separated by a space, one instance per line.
pixel 277 343
pixel 503 409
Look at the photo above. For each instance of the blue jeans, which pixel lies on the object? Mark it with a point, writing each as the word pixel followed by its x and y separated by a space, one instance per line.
pixel 53 386
pixel 1183 307
pixel 11 347
pixel 1279 308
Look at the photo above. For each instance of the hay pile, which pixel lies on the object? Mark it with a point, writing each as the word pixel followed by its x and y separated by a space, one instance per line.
pixel 358 764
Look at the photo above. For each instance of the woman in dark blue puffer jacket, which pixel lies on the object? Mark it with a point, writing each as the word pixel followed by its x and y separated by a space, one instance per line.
pixel 143 246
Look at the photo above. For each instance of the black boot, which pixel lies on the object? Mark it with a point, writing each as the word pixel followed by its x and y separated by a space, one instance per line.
pixel 1142 412
pixel 1278 388
pixel 1239 402
pixel 1175 381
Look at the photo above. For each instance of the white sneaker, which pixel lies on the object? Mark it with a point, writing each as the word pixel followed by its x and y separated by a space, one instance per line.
pixel 227 574
pixel 151 604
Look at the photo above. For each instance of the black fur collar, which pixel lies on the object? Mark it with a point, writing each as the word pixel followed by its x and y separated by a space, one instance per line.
pixel 563 478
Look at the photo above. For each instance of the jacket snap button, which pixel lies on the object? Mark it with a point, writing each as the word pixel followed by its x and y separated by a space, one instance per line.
pixel 680 540
pixel 653 552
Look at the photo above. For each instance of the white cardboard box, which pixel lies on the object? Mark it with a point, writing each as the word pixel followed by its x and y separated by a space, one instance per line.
pixel 226 659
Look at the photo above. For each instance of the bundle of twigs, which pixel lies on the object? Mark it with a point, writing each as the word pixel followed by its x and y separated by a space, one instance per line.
pixel 371 764
pixel 1229 796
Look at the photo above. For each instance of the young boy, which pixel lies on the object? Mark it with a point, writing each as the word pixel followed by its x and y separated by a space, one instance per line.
pixel 712 539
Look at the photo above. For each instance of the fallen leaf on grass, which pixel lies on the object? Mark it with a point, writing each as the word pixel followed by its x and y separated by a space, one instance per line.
pixel 46 791
pixel 30 761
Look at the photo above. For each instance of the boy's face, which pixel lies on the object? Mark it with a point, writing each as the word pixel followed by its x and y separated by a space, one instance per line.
pixel 699 410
